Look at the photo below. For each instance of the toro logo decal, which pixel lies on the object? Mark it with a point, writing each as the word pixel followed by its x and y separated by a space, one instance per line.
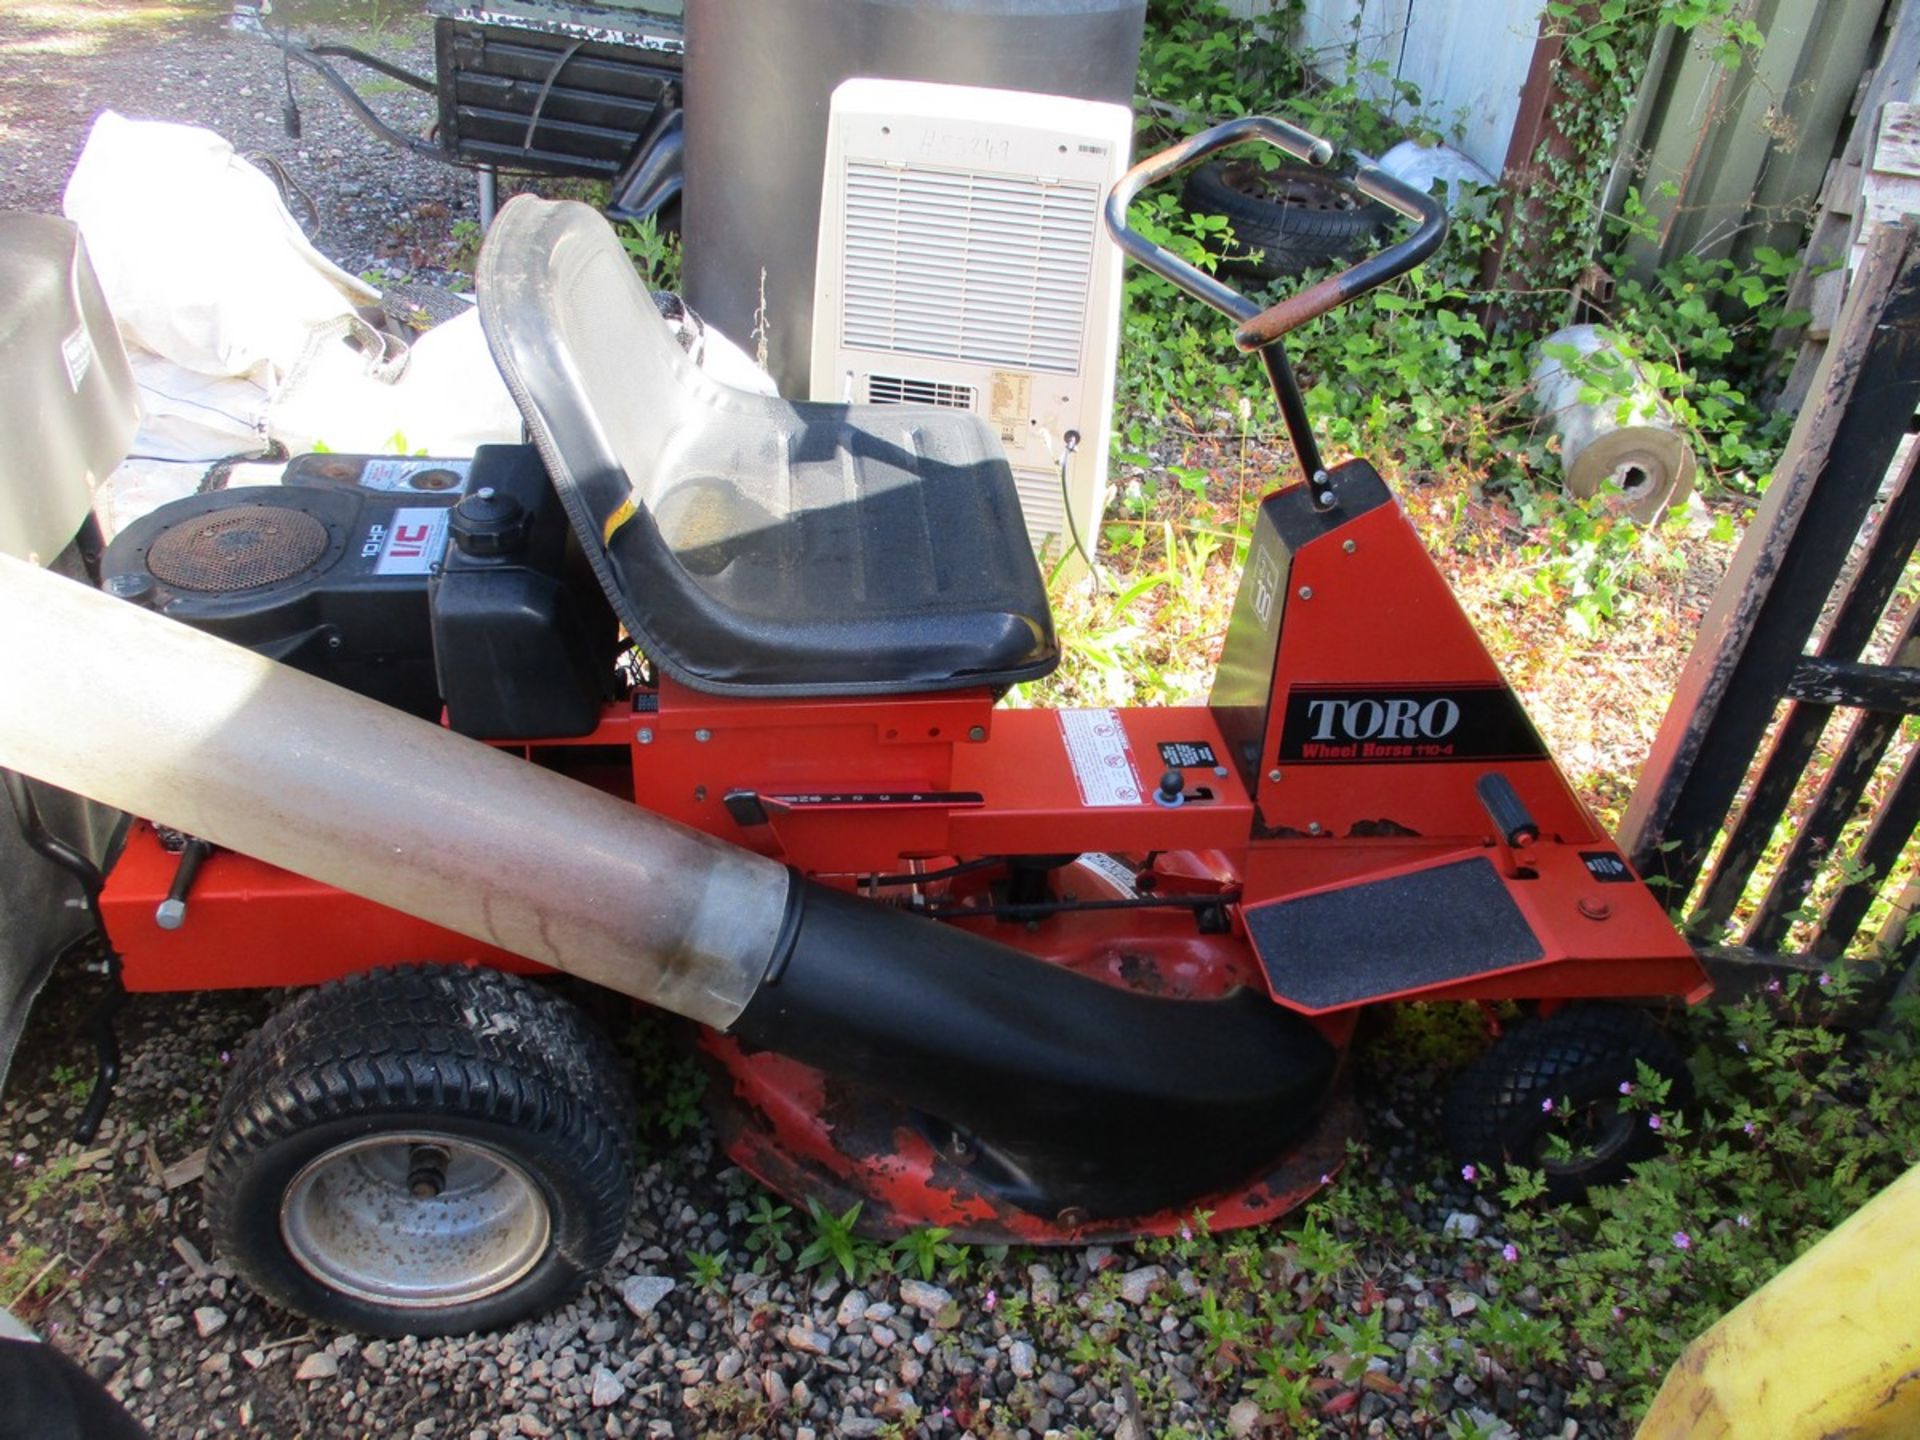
pixel 1344 724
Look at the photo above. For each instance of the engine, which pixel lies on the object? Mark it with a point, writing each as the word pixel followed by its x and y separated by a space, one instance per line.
pixel 427 585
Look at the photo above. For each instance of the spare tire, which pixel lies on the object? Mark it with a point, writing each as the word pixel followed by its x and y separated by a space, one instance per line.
pixel 1286 219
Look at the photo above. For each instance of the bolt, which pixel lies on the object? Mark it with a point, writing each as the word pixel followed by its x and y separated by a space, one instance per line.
pixel 699 794
pixel 646 737
pixel 1320 477
pixel 1348 546
pixel 1306 592
pixel 703 736
pixel 1594 908
pixel 1071 1218
pixel 1274 775
pixel 977 734
pixel 1221 771
pixel 1313 827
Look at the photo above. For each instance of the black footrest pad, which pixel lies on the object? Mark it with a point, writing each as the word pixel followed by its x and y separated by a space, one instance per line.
pixel 1386 937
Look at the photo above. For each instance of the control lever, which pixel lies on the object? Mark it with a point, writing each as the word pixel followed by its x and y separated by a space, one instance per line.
pixel 171 913
pixel 1518 829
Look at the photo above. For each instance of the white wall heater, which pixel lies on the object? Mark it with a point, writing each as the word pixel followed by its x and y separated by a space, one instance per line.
pixel 964 263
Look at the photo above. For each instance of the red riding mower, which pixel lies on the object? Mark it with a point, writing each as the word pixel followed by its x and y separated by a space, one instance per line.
pixel 694 698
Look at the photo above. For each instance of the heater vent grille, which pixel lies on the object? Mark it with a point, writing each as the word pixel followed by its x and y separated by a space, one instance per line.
pixel 903 390
pixel 961 265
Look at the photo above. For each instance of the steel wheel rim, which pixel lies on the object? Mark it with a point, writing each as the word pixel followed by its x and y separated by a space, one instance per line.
pixel 365 1219
pixel 1287 190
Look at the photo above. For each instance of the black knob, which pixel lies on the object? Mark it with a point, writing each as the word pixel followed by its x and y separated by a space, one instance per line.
pixel 1172 784
pixel 489 523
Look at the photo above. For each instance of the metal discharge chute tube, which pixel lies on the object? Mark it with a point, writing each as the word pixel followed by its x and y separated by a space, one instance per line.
pixel 148 715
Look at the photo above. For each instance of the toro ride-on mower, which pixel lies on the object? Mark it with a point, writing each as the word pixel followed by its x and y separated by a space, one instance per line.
pixel 694 698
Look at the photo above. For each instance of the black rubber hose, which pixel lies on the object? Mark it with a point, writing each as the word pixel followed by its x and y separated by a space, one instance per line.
pixel 1075 1094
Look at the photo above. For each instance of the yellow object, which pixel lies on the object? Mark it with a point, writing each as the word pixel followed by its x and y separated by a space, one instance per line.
pixel 1829 1347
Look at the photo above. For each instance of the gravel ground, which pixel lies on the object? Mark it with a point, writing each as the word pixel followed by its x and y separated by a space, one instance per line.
pixel 379 207
pixel 107 1251
pixel 1030 1343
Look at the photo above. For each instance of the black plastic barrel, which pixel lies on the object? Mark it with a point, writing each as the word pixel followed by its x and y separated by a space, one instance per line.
pixel 760 76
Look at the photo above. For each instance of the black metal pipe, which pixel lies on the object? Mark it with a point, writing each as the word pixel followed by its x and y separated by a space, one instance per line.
pixel 1293 409
pixel 34 827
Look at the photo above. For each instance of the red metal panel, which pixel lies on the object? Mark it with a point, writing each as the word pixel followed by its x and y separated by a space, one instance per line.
pixel 250 925
pixel 1367 607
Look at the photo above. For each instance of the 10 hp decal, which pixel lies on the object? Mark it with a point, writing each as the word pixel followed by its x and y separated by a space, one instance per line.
pixel 412 544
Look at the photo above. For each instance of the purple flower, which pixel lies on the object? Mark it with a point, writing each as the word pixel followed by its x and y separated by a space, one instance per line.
pixel 226 1057
pixel 1626 1087
pixel 1467 1172
pixel 1618 1313
pixel 1186 1231
pixel 1743 1047
pixel 1546 1106
pixel 20 1160
pixel 1682 1240
pixel 1509 1252
pixel 1773 987
pixel 991 1301
pixel 1825 979
pixel 1751 1128
pixel 1742 1221
pixel 1326 1178
pixel 1653 1122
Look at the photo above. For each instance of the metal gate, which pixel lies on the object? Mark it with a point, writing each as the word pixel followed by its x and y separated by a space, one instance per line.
pixel 1774 847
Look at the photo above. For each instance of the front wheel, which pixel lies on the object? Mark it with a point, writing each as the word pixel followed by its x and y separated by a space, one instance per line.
pixel 424 1151
pixel 1548 1096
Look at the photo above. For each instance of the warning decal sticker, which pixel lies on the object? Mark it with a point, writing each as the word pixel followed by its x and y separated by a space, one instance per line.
pixel 1101 757
pixel 410 474
pixel 414 544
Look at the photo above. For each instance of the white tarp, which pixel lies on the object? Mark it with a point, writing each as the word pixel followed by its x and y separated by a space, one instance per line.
pixel 242 334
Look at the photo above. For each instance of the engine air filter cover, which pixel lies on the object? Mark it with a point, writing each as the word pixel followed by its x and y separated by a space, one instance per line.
pixel 239 548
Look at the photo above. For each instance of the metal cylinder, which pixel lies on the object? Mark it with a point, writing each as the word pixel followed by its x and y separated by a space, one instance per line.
pixel 153 717
pixel 759 80
pixel 1625 445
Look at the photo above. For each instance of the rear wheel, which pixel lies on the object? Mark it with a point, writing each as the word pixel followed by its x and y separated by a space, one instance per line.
pixel 1548 1096
pixel 425 1151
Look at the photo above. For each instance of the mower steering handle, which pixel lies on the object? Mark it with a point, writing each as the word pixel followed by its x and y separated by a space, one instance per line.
pixel 1259 328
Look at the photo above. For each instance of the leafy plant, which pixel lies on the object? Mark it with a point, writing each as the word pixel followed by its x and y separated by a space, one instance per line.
pixel 1795 1125
pixel 1519 1340
pixel 709 1270
pixel 834 1241
pixel 925 1250
pixel 768 1232
pixel 654 253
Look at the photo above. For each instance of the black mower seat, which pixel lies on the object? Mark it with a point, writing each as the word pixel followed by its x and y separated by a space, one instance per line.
pixel 753 546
